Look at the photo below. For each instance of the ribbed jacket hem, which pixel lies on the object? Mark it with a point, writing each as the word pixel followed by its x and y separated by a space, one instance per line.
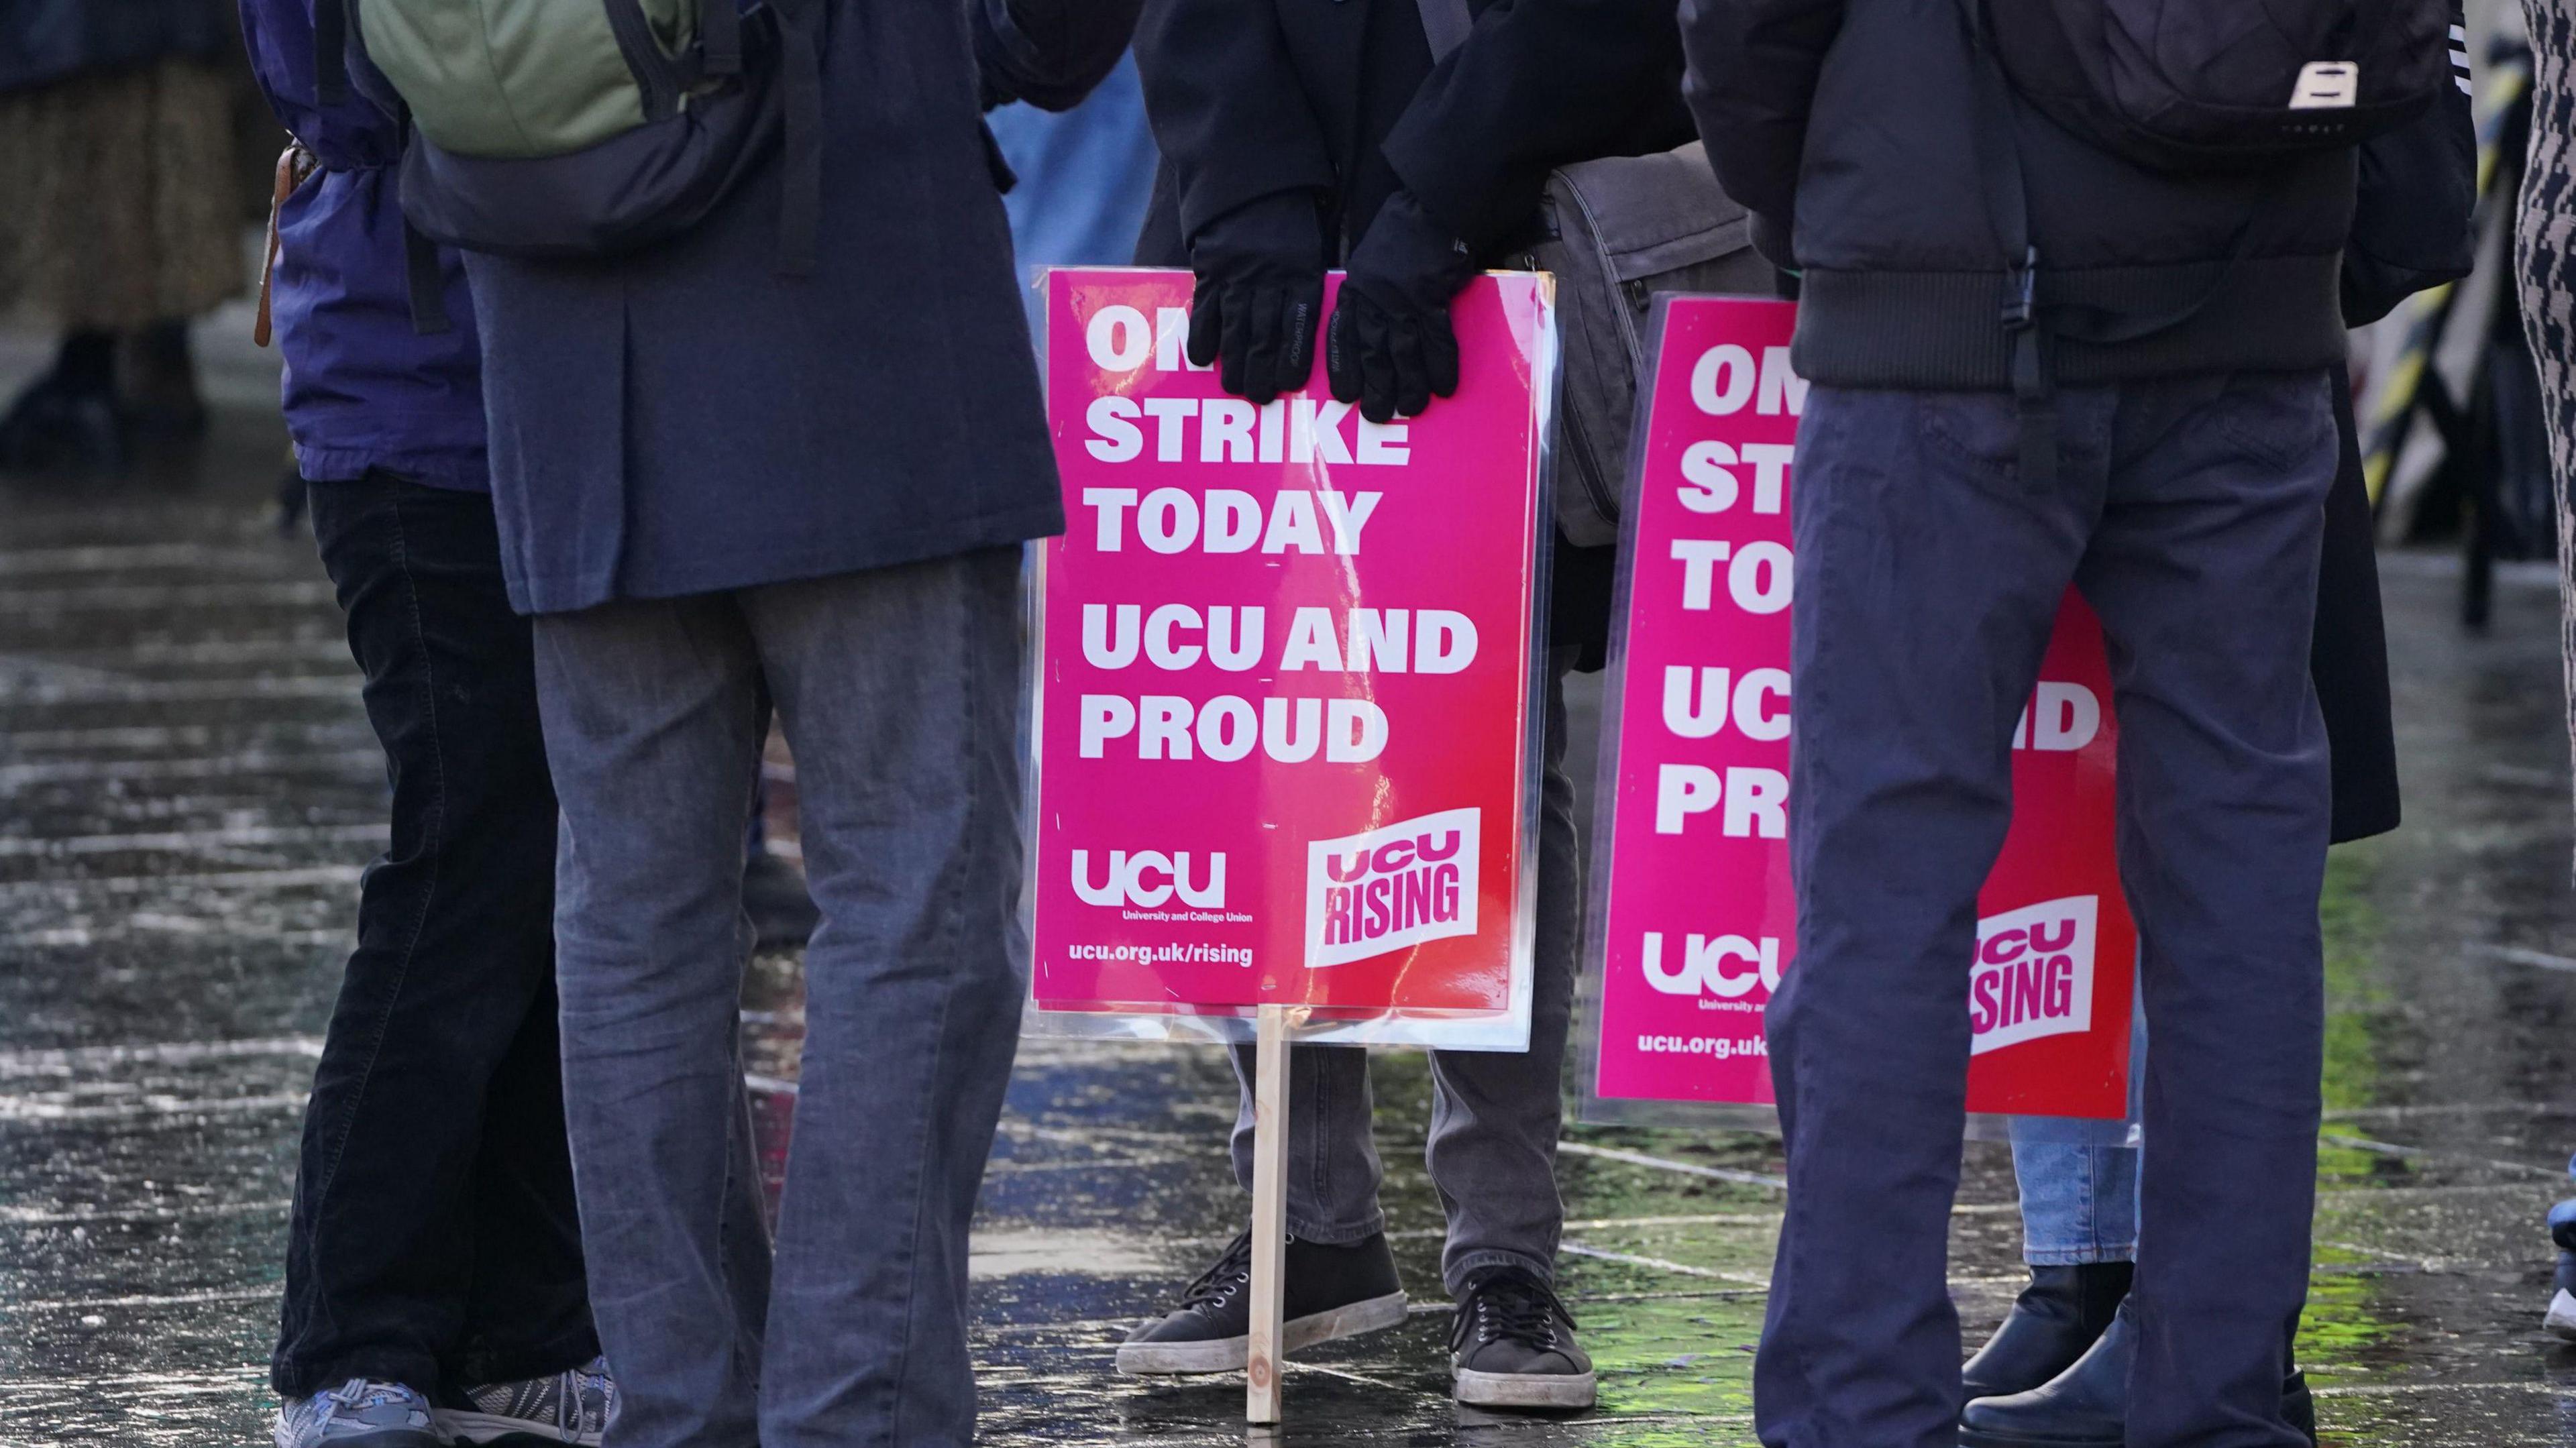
pixel 1943 331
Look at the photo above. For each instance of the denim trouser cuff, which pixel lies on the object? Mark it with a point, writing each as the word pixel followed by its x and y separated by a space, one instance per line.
pixel 1455 1274
pixel 1336 1234
pixel 2083 1256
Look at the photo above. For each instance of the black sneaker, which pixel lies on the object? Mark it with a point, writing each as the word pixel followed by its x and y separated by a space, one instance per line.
pixel 1333 1293
pixel 1512 1346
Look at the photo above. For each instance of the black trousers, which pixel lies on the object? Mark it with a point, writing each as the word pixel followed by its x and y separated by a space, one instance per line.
pixel 434 1240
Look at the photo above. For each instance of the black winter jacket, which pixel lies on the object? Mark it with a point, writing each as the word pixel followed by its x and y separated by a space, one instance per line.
pixel 1339 98
pixel 1851 123
pixel 1249 98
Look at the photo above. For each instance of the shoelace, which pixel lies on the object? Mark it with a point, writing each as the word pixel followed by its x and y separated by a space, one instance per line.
pixel 351 1394
pixel 1221 1281
pixel 574 1414
pixel 1509 1306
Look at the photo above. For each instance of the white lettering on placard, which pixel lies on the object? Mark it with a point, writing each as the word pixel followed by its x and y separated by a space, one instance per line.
pixel 1118 339
pixel 1301 430
pixel 1725 966
pixel 1756 800
pixel 1697 703
pixel 1229 520
pixel 1726 377
pixel 2061 719
pixel 1291 731
pixel 1148 879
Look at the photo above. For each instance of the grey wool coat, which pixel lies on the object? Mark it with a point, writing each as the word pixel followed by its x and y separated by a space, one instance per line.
pixel 687 419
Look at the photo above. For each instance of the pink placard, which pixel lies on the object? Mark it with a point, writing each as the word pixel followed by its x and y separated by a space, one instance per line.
pixel 1695 920
pixel 1283 749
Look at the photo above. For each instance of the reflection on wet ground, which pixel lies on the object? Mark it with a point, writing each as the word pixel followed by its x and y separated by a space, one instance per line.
pixel 188 790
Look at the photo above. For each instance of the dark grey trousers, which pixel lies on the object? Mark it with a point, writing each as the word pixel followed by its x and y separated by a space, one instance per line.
pixel 1494 1115
pixel 899 690
pixel 2189 513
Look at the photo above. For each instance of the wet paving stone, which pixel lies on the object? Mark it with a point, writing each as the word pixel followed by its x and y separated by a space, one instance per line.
pixel 188 791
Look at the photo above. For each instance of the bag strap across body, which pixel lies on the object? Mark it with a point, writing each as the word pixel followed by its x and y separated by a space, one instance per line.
pixel 1445 24
pixel 2032 322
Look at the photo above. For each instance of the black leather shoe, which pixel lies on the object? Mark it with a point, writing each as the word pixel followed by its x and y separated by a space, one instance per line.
pixel 2087 1406
pixel 2057 1317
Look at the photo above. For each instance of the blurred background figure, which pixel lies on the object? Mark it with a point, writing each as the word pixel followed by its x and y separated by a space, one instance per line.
pixel 1084 175
pixel 119 159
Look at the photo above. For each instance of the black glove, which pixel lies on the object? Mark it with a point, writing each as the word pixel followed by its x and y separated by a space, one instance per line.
pixel 1390 348
pixel 1259 294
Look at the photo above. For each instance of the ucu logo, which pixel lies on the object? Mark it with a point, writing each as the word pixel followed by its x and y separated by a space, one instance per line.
pixel 1149 878
pixel 1393 858
pixel 1400 885
pixel 1725 966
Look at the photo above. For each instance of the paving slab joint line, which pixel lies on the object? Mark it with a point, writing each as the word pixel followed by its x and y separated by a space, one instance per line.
pixel 1665 1163
pixel 2386 1148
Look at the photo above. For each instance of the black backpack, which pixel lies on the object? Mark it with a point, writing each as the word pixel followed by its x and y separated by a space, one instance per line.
pixel 2183 86
pixel 2200 85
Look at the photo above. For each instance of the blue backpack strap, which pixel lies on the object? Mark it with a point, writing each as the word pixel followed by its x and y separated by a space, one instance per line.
pixel 428 280
pixel 720 37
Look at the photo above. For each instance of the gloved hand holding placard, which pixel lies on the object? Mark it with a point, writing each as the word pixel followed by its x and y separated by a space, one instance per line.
pixel 1286 751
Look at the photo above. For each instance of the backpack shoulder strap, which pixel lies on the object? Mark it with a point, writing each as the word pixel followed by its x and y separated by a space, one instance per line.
pixel 1445 24
pixel 331 51
pixel 2008 211
pixel 800 78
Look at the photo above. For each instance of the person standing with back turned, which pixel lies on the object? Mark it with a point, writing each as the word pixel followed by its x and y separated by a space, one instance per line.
pixel 784 456
pixel 2052 346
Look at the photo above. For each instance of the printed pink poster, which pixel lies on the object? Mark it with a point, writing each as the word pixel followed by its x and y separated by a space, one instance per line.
pixel 1283 743
pixel 1696 924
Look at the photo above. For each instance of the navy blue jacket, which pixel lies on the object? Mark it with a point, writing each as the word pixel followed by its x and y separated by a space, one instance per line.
pixel 688 420
pixel 363 389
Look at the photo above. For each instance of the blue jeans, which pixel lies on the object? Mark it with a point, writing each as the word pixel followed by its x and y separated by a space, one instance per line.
pixel 899 690
pixel 2189 511
pixel 2079 1204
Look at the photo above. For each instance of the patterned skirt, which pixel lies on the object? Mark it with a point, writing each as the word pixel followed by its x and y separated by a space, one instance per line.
pixel 124 197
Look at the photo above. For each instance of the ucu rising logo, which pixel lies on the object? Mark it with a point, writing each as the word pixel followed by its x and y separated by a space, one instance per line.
pixel 2034 973
pixel 1727 966
pixel 1149 878
pixel 1392 887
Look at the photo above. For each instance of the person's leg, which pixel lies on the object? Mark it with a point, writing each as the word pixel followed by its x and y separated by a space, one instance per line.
pixel 423 1068
pixel 2079 1202
pixel 2080 1237
pixel 1495 1114
pixel 653 721
pixel 899 689
pixel 2204 573
pixel 1930 576
pixel 1492 1152
pixel 1339 1278
pixel 1333 1165
pixel 528 1309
